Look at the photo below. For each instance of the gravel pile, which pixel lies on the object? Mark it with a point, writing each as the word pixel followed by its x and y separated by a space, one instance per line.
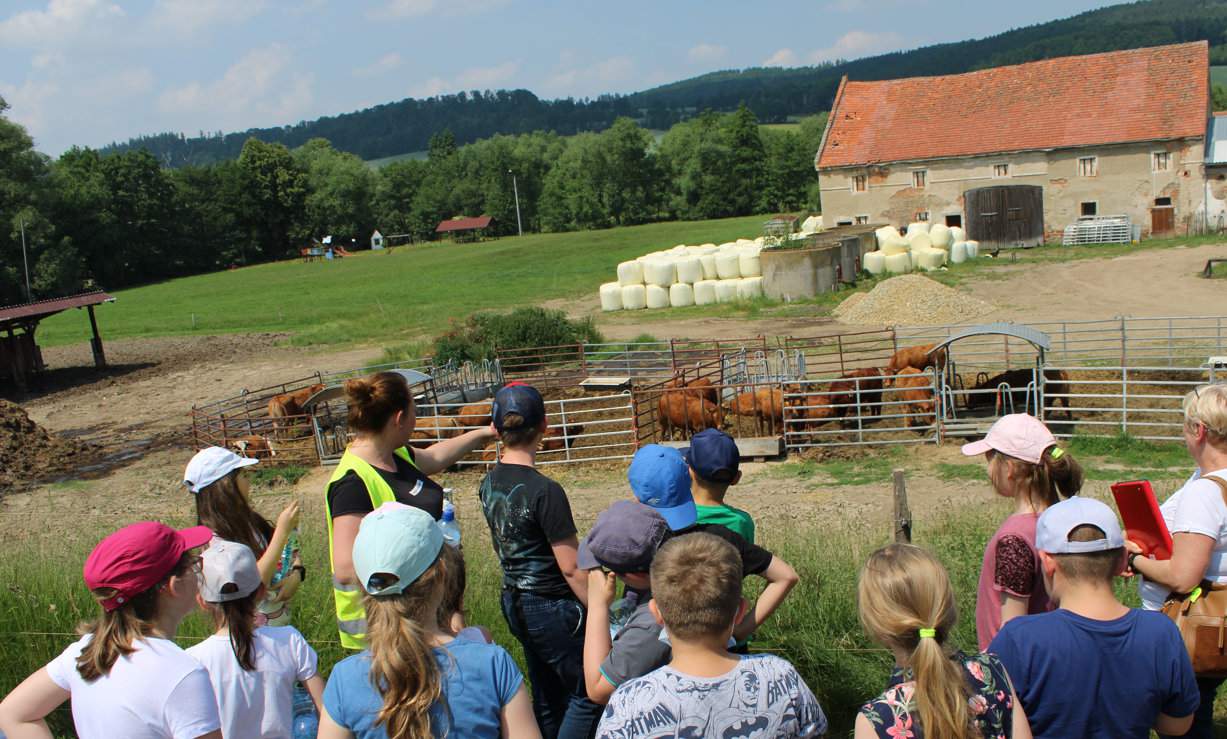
pixel 910 300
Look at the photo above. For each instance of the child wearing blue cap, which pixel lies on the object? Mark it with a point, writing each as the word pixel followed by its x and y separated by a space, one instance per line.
pixel 714 467
pixel 414 679
pixel 660 479
pixel 544 592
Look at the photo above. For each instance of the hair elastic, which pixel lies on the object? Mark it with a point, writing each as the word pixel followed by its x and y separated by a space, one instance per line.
pixel 1057 452
pixel 928 633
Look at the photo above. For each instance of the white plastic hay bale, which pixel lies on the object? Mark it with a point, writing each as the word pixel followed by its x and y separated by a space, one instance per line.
pixel 708 263
pixel 939 236
pixel 973 249
pixel 678 251
pixel 658 297
pixel 705 292
pixel 761 240
pixel 958 252
pixel 749 264
pixel 875 262
pixel 689 270
pixel 930 259
pixel 918 241
pixel 709 246
pixel 634 297
pixel 884 234
pixel 726 290
pixel 611 296
pixel 811 225
pixel 749 288
pixel 898 264
pixel 681 295
pixel 895 245
pixel 727 246
pixel 957 234
pixel 659 272
pixel 630 273
pixel 744 242
pixel 917 226
pixel 728 265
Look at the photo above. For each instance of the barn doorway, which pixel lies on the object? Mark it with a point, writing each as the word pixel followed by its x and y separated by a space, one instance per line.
pixel 1005 215
pixel 1162 217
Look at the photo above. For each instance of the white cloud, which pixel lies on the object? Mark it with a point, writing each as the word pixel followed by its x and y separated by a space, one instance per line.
pixel 574 78
pixel 188 17
pixel 706 53
pixel 259 89
pixel 477 78
pixel 31 104
pixel 856 44
pixel 383 64
pixel 62 20
pixel 781 58
pixel 392 9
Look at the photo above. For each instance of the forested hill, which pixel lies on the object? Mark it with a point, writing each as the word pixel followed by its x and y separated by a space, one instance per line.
pixel 772 93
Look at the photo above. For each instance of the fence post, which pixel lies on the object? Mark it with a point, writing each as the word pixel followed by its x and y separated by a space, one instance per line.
pixel 903 514
pixel 1123 341
pixel 1124 399
pixel 566 440
pixel 839 345
pixel 1064 341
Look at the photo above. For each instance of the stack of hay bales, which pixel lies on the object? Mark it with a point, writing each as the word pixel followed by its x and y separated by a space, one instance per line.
pixel 924 247
pixel 687 275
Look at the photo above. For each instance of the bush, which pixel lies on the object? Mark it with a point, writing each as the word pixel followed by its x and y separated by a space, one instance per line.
pixel 481 334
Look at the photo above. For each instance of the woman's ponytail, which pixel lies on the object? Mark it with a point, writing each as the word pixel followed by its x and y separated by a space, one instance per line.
pixel 941 691
pixel 374 400
pixel 239 618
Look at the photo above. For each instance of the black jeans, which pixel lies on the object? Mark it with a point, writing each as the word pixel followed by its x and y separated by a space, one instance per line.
pixel 551 630
pixel 1203 719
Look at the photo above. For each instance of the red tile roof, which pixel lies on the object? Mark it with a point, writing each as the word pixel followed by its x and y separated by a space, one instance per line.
pixel 44 308
pixel 1150 94
pixel 463 224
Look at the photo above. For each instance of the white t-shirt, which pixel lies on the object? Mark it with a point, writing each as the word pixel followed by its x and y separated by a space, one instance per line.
pixel 157 692
pixel 259 703
pixel 1196 508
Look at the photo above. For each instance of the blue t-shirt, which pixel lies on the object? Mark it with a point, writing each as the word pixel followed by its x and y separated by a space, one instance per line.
pixel 478 680
pixel 1078 677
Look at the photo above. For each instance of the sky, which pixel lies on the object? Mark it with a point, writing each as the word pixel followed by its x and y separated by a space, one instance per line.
pixel 90 72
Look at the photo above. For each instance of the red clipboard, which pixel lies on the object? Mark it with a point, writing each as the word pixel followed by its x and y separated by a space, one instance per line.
pixel 1144 524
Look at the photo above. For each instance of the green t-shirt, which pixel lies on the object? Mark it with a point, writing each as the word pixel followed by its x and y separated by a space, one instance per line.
pixel 733 519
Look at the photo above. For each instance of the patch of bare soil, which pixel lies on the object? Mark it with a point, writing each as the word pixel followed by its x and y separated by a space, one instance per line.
pixel 28 452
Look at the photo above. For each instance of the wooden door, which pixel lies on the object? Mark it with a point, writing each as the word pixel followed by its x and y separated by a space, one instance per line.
pixel 1162 220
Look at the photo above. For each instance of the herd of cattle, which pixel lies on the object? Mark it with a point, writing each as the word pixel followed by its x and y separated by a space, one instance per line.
pixel 692 405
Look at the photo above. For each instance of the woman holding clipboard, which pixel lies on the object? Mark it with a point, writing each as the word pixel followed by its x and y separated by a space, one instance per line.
pixel 1196 516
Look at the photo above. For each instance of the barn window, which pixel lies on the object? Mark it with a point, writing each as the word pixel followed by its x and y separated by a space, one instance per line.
pixel 844 222
pixel 1089 208
pixel 922 216
pixel 1160 161
pixel 919 178
pixel 954 219
pixel 860 183
pixel 1088 166
pixel 1001 170
pixel 1163 202
pixel 862 219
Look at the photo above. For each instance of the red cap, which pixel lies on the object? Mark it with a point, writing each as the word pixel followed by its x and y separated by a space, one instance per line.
pixel 137 557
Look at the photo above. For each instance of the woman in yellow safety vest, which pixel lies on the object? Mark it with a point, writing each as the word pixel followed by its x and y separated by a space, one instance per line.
pixel 378 466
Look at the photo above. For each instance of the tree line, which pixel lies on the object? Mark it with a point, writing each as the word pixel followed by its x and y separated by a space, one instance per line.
pixel 92 220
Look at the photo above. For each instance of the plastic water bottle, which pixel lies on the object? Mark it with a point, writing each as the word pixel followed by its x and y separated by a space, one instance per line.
pixel 451 529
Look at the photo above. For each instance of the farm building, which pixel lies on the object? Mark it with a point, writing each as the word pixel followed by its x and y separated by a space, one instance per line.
pixel 1015 154
pixel 464 229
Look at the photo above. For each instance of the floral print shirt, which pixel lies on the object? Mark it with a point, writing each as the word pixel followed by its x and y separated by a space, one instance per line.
pixel 894 714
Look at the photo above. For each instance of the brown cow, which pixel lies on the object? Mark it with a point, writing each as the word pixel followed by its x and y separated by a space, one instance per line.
pixel 913 387
pixel 431 429
pixel 841 399
pixel 290 405
pixel 559 437
pixel 699 387
pixel 678 410
pixel 1056 382
pixel 918 357
pixel 475 415
pixel 254 447
pixel 762 402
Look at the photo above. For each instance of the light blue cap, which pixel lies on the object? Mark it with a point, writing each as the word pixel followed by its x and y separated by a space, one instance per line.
pixel 1057 521
pixel 395 539
pixel 660 479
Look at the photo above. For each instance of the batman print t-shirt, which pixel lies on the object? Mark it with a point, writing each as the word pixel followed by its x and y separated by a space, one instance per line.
pixel 762 698
pixel 527 513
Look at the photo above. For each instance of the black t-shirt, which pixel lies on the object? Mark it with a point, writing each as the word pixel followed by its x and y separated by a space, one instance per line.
pixel 527 512
pixel 409 485
pixel 754 559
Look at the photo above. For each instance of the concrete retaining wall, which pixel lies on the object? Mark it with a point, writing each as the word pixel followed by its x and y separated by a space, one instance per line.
pixel 831 257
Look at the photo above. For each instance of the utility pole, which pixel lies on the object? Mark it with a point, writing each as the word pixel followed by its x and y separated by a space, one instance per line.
pixel 25 259
pixel 515 188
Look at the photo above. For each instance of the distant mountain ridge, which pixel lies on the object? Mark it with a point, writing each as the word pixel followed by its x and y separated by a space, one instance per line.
pixel 772 93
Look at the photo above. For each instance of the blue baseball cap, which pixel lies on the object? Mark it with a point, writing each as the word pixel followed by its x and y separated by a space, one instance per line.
pixel 398 540
pixel 713 455
pixel 660 479
pixel 522 400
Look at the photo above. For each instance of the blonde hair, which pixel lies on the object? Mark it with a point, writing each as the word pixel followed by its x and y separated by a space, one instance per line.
pixel 1054 477
pixel 696 583
pixel 904 589
pixel 403 666
pixel 1207 405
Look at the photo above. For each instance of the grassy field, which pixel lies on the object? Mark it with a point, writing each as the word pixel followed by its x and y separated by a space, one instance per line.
pixel 386 296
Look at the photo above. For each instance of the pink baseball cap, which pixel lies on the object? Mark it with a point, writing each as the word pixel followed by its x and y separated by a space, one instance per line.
pixel 137 557
pixel 1018 435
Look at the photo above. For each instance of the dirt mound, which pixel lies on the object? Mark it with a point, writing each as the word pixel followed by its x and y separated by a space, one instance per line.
pixel 910 300
pixel 28 452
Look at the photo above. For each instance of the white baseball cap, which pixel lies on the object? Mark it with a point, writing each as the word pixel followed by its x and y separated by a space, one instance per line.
pixel 210 465
pixel 228 571
pixel 1055 524
pixel 1018 435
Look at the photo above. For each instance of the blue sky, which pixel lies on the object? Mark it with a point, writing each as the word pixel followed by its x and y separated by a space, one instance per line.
pixel 88 72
